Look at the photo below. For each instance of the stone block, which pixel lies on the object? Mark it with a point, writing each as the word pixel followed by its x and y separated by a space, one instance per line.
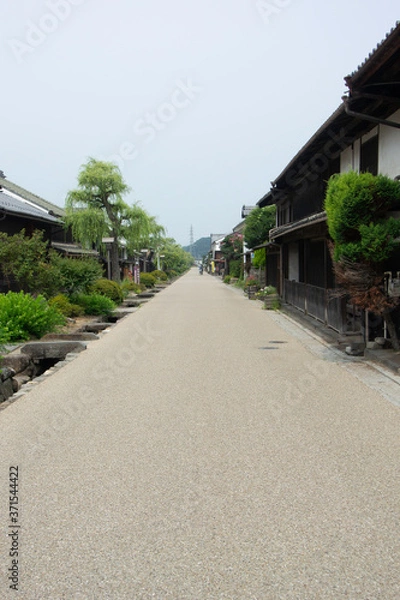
pixel 55 349
pixel 79 336
pixel 96 327
pixel 6 373
pixel 6 390
pixel 18 362
pixel 355 349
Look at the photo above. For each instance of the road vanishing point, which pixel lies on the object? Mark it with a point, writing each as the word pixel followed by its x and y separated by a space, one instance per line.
pixel 203 448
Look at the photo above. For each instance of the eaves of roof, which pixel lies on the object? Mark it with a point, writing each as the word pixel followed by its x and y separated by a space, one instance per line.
pixel 73 249
pixel 13 206
pixel 266 245
pixel 290 227
pixel 377 58
pixel 323 135
pixel 23 193
pixel 341 129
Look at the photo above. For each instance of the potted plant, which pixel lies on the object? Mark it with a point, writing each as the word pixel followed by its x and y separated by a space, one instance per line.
pixel 251 287
pixel 270 297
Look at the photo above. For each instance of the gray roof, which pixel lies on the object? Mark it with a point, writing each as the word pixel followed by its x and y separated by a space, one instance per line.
pixel 214 237
pixel 9 204
pixel 6 184
pixel 382 48
pixel 74 249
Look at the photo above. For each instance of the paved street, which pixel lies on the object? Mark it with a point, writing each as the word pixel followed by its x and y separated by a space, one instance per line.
pixel 204 449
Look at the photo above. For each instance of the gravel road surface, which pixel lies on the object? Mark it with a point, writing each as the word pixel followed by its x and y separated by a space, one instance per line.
pixel 203 449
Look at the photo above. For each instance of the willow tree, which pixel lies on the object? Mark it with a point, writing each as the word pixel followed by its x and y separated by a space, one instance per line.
pixel 365 237
pixel 96 209
pixel 141 230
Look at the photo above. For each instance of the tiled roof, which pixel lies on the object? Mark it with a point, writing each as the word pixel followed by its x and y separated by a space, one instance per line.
pixel 9 204
pixel 6 184
pixel 74 249
pixel 381 67
pixel 289 227
pixel 380 49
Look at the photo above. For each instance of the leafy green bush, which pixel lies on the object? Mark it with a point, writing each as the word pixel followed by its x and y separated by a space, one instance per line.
pixel 27 263
pixel 227 278
pixel 108 288
pixel 239 283
pixel 62 304
pixel 235 267
pixel 23 317
pixel 78 274
pixel 148 279
pixel 171 274
pixel 130 286
pixel 258 224
pixel 160 275
pixel 94 304
pixel 355 203
pixel 259 259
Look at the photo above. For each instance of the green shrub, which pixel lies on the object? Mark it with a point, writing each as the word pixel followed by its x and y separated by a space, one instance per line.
pixel 78 274
pixel 23 317
pixel 235 267
pixel 356 205
pixel 171 274
pixel 110 289
pixel 227 278
pixel 65 307
pixel 160 275
pixel 27 263
pixel 239 284
pixel 130 286
pixel 148 279
pixel 259 259
pixel 94 304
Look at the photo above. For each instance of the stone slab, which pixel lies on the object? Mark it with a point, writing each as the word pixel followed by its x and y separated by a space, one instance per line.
pixel 54 349
pixel 96 327
pixel 18 362
pixel 80 336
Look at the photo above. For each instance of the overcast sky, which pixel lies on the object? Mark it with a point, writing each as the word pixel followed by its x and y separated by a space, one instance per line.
pixel 201 104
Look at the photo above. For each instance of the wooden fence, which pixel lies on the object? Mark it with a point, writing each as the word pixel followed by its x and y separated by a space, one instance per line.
pixel 320 303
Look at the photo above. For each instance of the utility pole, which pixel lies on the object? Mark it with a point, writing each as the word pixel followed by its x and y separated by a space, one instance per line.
pixel 191 240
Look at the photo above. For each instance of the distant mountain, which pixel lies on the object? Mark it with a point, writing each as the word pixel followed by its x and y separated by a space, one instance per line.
pixel 200 248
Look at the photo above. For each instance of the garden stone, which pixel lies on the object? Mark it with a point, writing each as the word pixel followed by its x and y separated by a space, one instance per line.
pixel 57 350
pixel 78 336
pixel 6 390
pixel 18 362
pixel 96 327
pixel 6 373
